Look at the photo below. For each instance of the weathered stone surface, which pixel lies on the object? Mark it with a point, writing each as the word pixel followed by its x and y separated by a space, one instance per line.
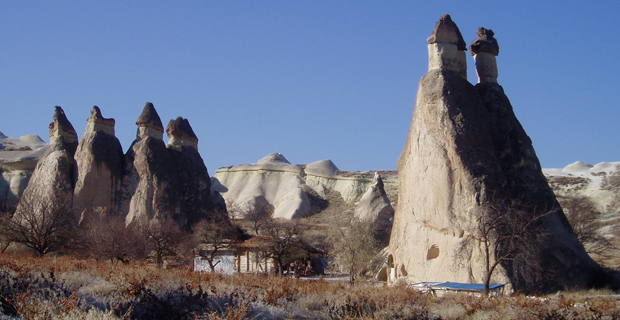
pixel 446 47
pixel 190 188
pixel 485 42
pixel 165 182
pixel 53 178
pixel 446 31
pixel 149 123
pixel 376 207
pixel 465 149
pixel 285 187
pixel 181 134
pixel 149 171
pixel 18 158
pixel 100 163
pixel 484 49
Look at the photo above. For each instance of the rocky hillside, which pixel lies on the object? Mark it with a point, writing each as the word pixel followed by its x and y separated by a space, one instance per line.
pixel 18 157
pixel 597 182
pixel 289 191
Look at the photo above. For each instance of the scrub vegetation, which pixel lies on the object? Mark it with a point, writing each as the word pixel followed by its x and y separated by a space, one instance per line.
pixel 71 288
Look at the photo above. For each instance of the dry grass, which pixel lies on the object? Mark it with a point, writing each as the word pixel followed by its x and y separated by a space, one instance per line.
pixel 68 288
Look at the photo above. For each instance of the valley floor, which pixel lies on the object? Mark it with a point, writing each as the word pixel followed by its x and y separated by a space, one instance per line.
pixel 69 288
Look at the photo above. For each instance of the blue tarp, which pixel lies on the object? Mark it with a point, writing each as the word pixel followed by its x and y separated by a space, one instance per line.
pixel 457 286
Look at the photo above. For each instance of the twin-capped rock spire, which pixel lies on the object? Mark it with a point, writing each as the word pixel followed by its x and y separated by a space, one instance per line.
pixel 467 155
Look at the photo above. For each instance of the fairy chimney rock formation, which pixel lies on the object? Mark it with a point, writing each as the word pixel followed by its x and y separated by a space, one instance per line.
pixel 100 163
pixel 53 178
pixel 466 153
pixel 181 134
pixel 97 122
pixel 190 188
pixel 61 132
pixel 149 169
pixel 375 206
pixel 149 123
pixel 484 50
pixel 446 47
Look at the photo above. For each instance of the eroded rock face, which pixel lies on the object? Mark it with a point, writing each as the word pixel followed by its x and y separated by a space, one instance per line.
pixel 18 158
pixel 289 191
pixel 165 182
pixel 376 207
pixel 53 178
pixel 484 49
pixel 148 173
pixel 465 150
pixel 100 163
pixel 191 185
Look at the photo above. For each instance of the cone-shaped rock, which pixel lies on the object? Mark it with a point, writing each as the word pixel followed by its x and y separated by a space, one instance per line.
pixel 446 47
pixel 100 162
pixel 52 181
pixel 181 134
pixel 468 161
pixel 190 190
pixel 149 170
pixel 376 207
pixel 149 123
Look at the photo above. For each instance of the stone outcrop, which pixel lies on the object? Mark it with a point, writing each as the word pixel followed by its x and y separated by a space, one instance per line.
pixel 446 47
pixel 148 173
pixel 484 50
pixel 164 182
pixel 18 158
pixel 100 164
pixel 586 180
pixel 466 150
pixel 191 185
pixel 290 191
pixel 53 178
pixel 376 207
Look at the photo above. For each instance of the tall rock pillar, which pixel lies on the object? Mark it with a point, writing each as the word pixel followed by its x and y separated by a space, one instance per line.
pixel 100 163
pixel 52 181
pixel 467 153
pixel 149 171
pixel 191 184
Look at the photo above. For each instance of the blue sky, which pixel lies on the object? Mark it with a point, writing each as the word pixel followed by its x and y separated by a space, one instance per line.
pixel 312 80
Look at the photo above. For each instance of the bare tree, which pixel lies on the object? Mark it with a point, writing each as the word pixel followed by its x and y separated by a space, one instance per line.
pixel 506 234
pixel 40 223
pixel 7 209
pixel 108 238
pixel 213 237
pixel 258 215
pixel 285 241
pixel 355 245
pixel 611 182
pixel 165 239
pixel 583 217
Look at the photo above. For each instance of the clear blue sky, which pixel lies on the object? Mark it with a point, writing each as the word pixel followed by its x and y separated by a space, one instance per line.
pixel 312 80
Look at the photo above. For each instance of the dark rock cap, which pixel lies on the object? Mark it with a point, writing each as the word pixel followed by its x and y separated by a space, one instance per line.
pixel 150 118
pixel 180 128
pixel 446 31
pixel 95 116
pixel 61 122
pixel 485 43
